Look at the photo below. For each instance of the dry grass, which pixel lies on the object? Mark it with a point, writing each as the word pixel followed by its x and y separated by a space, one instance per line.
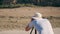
pixel 14 18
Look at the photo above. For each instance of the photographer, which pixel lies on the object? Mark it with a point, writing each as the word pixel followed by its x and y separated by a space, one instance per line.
pixel 41 25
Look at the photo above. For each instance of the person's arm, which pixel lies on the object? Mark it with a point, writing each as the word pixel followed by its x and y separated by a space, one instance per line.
pixel 27 28
pixel 30 25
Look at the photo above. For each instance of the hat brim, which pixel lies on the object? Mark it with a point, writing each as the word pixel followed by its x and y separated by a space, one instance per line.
pixel 35 17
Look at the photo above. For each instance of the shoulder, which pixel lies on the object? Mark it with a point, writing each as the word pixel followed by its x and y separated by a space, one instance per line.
pixel 45 20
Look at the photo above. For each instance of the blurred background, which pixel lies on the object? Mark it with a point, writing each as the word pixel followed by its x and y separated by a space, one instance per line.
pixel 16 14
pixel 17 3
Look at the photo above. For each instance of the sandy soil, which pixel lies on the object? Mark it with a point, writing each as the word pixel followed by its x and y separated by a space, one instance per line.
pixel 25 11
pixel 19 17
pixel 56 31
pixel 29 11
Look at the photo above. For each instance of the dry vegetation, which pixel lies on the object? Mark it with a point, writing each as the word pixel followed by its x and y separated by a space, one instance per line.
pixel 18 18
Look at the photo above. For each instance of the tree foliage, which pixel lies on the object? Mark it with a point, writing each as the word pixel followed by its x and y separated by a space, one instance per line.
pixel 1 2
pixel 38 2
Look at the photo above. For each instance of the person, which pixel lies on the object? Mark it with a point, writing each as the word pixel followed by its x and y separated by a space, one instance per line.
pixel 42 26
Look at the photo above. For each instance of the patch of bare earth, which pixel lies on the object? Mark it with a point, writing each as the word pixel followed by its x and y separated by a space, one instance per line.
pixel 14 18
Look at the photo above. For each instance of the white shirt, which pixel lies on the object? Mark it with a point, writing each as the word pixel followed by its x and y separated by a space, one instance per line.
pixel 43 26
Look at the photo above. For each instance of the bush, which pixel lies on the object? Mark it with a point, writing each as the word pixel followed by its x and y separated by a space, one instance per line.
pixel 16 5
pixel 9 6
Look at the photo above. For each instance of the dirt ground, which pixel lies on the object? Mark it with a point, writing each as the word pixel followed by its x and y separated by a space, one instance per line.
pixel 29 11
pixel 11 18
pixel 56 31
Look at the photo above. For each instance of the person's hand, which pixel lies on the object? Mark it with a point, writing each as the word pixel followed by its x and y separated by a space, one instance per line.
pixel 27 28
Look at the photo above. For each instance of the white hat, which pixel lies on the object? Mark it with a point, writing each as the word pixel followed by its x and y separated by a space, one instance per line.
pixel 37 16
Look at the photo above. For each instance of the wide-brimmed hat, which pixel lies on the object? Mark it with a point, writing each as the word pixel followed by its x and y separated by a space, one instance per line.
pixel 37 15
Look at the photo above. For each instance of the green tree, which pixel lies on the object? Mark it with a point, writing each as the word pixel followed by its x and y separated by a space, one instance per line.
pixel 1 1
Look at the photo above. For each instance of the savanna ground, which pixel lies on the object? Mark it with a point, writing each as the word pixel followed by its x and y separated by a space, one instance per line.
pixel 18 18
